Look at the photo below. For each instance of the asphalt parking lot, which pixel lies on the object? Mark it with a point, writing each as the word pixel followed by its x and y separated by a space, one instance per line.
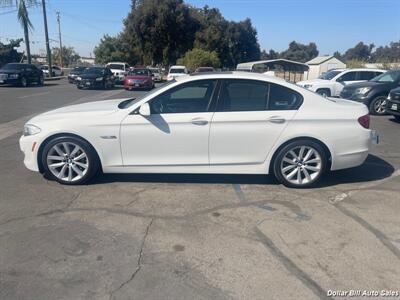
pixel 192 236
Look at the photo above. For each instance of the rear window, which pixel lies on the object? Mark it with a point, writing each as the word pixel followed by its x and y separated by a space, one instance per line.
pixel 177 70
pixel 116 66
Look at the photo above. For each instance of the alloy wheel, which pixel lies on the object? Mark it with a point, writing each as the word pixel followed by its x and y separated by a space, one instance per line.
pixel 67 161
pixel 301 165
pixel 380 106
pixel 24 82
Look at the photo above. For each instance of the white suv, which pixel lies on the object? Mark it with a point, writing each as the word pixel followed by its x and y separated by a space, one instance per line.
pixel 119 70
pixel 331 83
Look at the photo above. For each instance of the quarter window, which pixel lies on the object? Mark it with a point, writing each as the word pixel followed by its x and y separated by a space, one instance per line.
pixel 366 75
pixel 252 95
pixel 186 98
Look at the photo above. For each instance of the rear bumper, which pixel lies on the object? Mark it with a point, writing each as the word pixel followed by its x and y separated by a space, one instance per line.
pixel 360 152
pixel 134 85
pixel 10 81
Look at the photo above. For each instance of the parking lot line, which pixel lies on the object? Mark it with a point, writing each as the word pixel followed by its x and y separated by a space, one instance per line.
pixel 33 95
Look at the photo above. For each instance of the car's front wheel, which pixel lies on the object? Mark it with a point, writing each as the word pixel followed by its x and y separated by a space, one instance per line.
pixel 300 164
pixel 69 160
pixel 24 82
pixel 378 106
pixel 324 92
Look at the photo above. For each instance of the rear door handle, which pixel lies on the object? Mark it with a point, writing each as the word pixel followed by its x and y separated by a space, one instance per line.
pixel 276 120
pixel 200 122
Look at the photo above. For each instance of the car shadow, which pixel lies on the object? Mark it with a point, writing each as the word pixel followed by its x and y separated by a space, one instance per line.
pixel 394 120
pixel 373 169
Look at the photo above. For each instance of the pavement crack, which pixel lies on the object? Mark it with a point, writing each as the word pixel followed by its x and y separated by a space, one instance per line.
pixel 138 264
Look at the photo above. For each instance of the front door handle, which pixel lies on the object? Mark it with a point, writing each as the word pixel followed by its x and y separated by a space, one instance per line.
pixel 276 120
pixel 200 122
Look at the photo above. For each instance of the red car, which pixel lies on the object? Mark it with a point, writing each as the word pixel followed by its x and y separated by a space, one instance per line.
pixel 139 78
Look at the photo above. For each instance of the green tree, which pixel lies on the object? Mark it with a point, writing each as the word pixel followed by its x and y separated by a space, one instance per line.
pixel 161 31
pixel 360 51
pixel 8 53
pixel 111 49
pixel 270 55
pixel 388 53
pixel 199 58
pixel 70 57
pixel 300 52
pixel 23 18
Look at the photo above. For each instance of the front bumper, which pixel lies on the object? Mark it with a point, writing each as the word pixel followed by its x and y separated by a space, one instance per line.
pixel 89 83
pixel 393 107
pixel 29 145
pixel 13 81
pixel 130 85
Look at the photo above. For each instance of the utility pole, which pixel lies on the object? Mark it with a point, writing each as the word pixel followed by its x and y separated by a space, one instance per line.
pixel 46 32
pixel 59 35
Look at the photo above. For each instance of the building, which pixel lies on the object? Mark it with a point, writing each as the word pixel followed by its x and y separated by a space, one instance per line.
pixel 322 64
pixel 88 60
pixel 287 69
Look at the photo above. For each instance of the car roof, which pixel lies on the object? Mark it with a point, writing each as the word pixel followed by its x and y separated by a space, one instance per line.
pixel 178 67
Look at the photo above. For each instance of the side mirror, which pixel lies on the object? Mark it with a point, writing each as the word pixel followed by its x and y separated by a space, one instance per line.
pixel 144 110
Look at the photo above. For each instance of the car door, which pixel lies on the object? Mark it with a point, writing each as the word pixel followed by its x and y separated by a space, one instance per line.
pixel 177 131
pixel 30 73
pixel 250 117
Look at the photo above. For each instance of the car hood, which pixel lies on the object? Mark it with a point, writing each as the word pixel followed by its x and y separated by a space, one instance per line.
pixel 90 76
pixel 10 71
pixel 79 111
pixel 141 77
pixel 313 81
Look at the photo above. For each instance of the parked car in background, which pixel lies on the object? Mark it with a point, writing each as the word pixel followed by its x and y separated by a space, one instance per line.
pixel 95 77
pixel 139 78
pixel 204 70
pixel 57 71
pixel 119 70
pixel 373 93
pixel 393 103
pixel 74 73
pixel 331 83
pixel 183 127
pixel 176 71
pixel 157 77
pixel 21 74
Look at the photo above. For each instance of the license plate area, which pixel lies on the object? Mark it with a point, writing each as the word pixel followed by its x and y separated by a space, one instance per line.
pixel 394 106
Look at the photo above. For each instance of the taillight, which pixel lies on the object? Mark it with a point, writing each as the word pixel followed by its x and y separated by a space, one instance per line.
pixel 364 121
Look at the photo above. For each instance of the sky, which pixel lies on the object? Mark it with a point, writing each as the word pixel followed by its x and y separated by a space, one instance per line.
pixel 331 24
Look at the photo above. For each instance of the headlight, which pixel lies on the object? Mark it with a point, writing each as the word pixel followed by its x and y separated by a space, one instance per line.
pixel 30 129
pixel 99 78
pixel 78 78
pixel 362 91
pixel 307 86
pixel 13 76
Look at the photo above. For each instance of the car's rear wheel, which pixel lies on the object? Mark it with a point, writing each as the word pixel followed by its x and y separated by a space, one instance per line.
pixel 69 160
pixel 378 106
pixel 300 164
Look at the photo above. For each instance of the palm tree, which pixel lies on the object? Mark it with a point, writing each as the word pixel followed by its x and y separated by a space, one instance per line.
pixel 23 18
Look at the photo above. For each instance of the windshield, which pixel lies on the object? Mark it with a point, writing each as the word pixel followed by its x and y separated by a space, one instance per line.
pixel 390 76
pixel 176 70
pixel 77 69
pixel 129 102
pixel 116 66
pixel 14 67
pixel 329 75
pixel 97 71
pixel 142 72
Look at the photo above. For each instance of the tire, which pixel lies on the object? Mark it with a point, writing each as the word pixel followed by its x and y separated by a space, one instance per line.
pixel 377 106
pixel 79 87
pixel 24 82
pixel 397 118
pixel 324 92
pixel 41 81
pixel 69 160
pixel 295 167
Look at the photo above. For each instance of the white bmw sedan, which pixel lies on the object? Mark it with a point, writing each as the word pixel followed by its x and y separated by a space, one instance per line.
pixel 236 123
